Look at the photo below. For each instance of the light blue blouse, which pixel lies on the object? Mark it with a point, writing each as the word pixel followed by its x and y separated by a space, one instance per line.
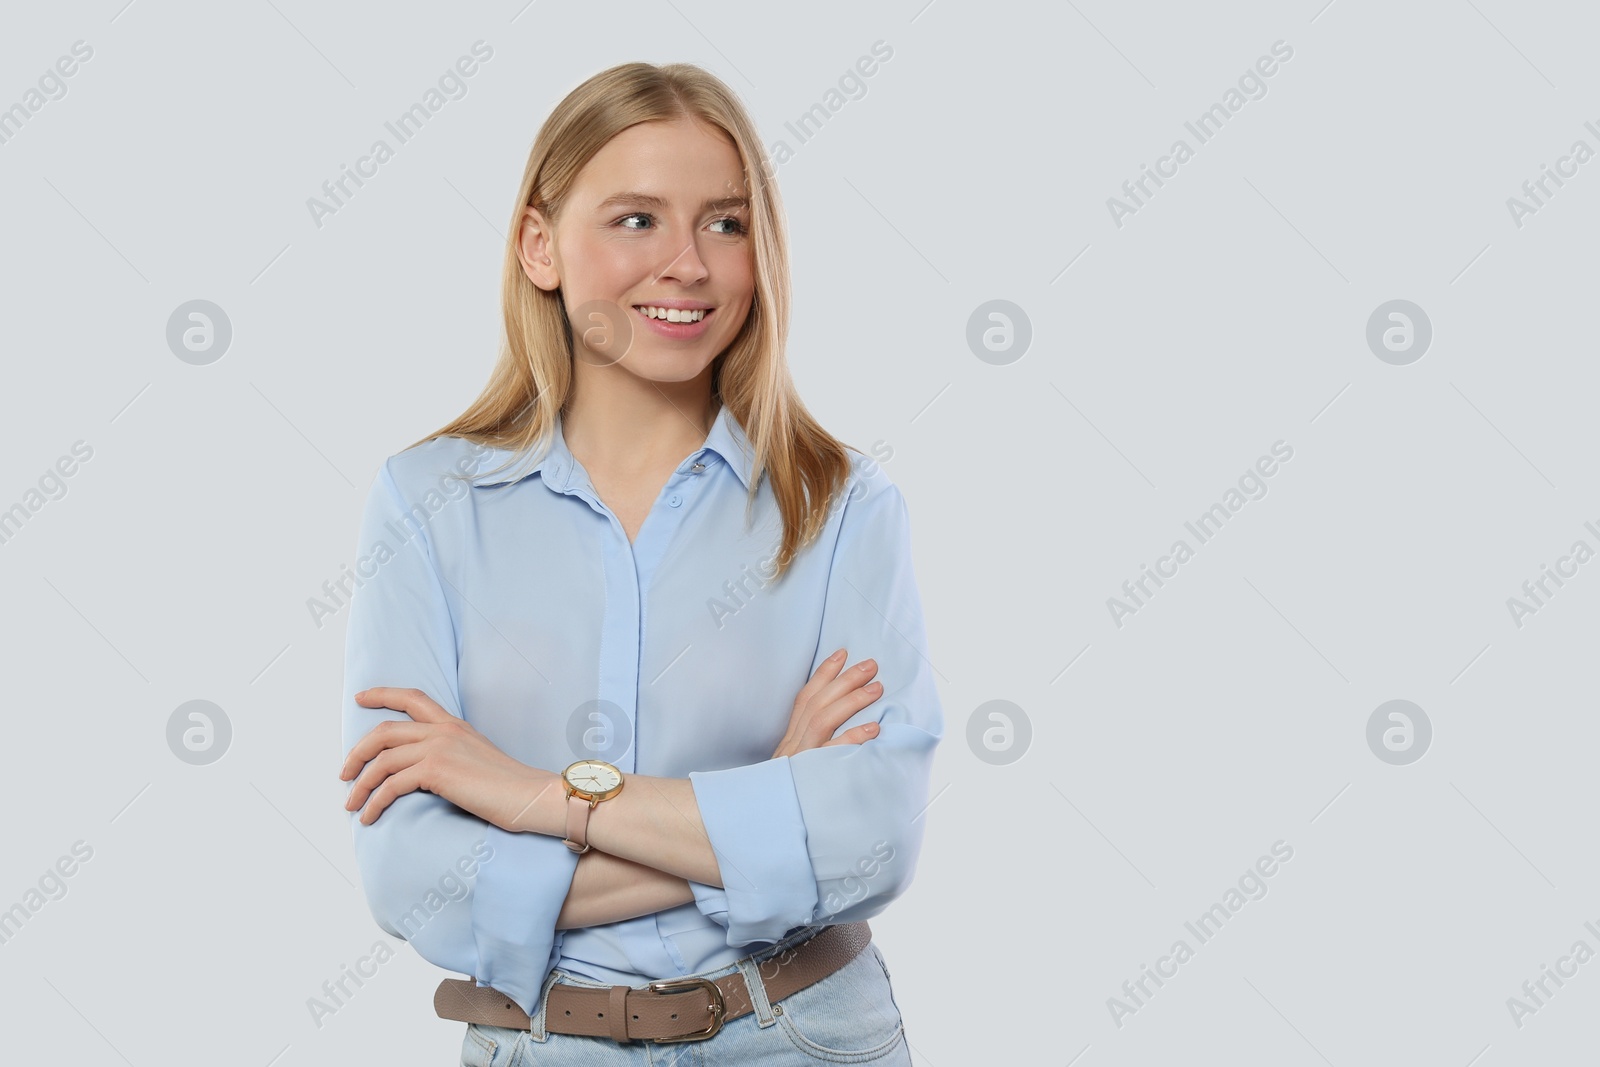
pixel 516 601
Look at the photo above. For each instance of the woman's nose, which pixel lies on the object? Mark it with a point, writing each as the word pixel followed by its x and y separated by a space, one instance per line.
pixel 686 266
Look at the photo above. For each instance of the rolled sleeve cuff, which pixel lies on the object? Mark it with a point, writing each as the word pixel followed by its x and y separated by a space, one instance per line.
pixel 752 817
pixel 712 902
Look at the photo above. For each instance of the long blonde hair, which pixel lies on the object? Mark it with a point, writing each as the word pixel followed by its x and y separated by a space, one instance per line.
pixel 532 378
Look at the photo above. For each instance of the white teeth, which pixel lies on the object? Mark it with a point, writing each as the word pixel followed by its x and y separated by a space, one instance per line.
pixel 673 314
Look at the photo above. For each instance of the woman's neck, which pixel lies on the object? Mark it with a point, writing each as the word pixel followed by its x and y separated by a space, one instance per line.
pixel 636 426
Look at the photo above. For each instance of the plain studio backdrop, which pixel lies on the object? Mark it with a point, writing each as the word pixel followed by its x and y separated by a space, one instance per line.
pixel 1368 270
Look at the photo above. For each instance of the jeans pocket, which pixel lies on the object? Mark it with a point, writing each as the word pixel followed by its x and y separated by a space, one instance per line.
pixel 488 1046
pixel 848 1017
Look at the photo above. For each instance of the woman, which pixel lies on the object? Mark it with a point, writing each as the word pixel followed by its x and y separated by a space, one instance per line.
pixel 611 763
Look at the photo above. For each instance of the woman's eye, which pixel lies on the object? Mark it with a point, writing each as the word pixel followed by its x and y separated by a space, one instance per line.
pixel 737 227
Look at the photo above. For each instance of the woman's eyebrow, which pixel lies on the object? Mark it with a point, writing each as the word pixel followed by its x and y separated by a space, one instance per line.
pixel 648 200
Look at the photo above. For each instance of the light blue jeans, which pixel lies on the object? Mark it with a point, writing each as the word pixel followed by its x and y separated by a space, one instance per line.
pixel 848 1017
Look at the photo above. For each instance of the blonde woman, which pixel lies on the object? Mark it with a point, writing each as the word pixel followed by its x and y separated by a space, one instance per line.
pixel 610 756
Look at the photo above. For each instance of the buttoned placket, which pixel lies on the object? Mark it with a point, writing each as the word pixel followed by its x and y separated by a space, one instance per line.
pixel 628 569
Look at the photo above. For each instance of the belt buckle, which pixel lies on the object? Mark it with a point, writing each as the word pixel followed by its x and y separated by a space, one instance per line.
pixel 718 1007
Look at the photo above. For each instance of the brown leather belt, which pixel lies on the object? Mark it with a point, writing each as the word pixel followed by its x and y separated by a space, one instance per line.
pixel 674 1009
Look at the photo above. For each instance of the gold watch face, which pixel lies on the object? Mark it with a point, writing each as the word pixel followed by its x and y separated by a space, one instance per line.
pixel 594 778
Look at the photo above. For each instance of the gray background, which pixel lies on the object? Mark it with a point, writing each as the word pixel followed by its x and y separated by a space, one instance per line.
pixel 1167 354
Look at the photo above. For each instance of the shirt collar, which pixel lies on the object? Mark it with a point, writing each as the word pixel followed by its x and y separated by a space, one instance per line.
pixel 725 441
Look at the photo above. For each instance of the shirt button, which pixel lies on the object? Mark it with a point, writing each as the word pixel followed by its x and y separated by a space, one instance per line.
pixel 698 467
pixel 674 500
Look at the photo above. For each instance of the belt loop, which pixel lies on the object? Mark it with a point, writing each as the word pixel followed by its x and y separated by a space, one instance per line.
pixel 749 968
pixel 536 1028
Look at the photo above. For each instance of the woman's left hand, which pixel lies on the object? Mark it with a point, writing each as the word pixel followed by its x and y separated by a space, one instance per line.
pixel 439 754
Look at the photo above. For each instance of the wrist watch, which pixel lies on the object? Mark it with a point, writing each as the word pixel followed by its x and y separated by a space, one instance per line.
pixel 589 781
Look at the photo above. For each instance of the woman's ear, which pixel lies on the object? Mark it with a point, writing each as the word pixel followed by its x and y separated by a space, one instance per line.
pixel 534 250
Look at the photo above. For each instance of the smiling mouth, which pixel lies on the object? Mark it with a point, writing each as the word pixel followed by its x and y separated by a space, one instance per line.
pixel 685 315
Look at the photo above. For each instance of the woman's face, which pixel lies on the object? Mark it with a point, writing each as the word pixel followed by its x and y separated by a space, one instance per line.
pixel 658 217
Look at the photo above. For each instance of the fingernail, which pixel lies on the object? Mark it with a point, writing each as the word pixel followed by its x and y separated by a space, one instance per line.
pixel 867 666
pixel 836 655
pixel 872 728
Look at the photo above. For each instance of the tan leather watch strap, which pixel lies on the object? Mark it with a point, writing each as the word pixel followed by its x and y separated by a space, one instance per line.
pixel 687 1010
pixel 578 810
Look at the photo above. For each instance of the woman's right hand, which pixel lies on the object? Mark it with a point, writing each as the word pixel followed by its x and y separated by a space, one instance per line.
pixel 828 699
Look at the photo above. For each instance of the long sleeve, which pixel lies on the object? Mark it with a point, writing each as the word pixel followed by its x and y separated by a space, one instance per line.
pixel 468 896
pixel 832 835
